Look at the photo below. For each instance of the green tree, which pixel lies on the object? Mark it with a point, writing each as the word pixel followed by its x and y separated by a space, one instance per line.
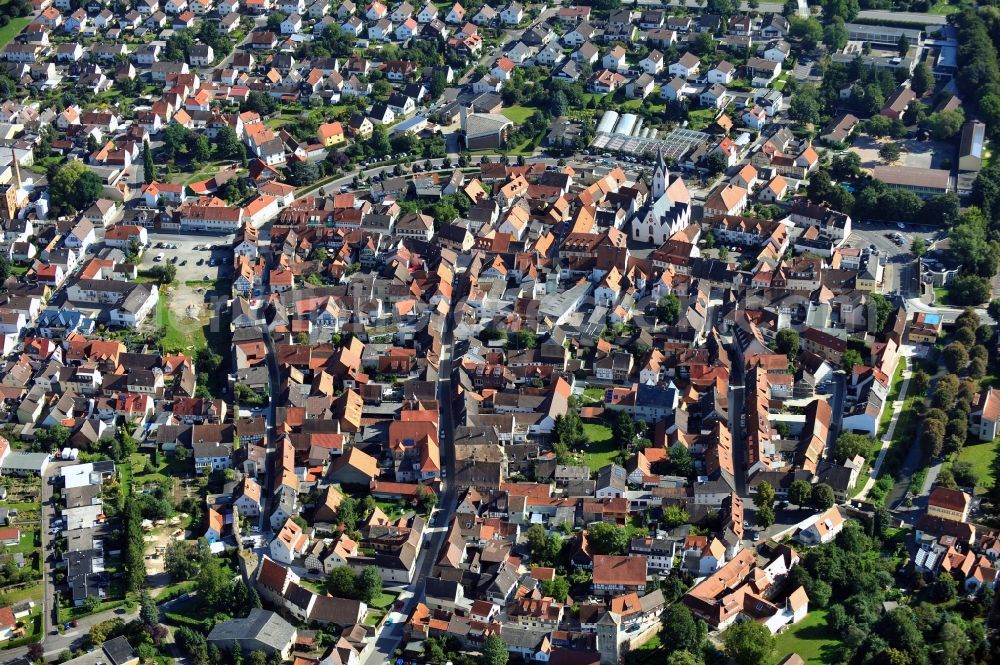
pixel 946 124
pixel 969 290
pixel 181 560
pixel 994 309
pixel 787 342
pixel 227 143
pixel 849 360
pixel 971 247
pixel 149 613
pixel 748 643
pixel 148 165
pixel 214 583
pixel 303 173
pixel 683 631
pixel 850 444
pixel 680 461
pixel 765 494
pixel 683 657
pixel 823 496
pixel 716 163
pixel 524 339
pixel 889 152
pixel 623 429
pixel 807 31
pixel 918 247
pixel 668 309
pixel 847 166
pixel 799 492
pixel 135 546
pixel 955 357
pixel 882 309
pixel 342 582
pixel 804 109
pixel 494 651
pixel 556 588
pixel 765 516
pixel 605 538
pixel 674 516
pixel 903 45
pixel 74 188
pixel 202 150
pixel 369 585
pixel 568 429
pixel 922 80
pixel 537 540
pixel 835 35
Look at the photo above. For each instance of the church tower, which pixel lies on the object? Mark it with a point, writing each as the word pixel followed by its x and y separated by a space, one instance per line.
pixel 660 176
pixel 608 638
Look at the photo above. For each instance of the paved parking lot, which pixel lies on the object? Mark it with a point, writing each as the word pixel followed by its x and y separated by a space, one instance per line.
pixel 913 153
pixel 192 264
pixel 901 266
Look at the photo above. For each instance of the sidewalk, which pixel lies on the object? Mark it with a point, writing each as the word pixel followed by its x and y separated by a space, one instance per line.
pixel 897 409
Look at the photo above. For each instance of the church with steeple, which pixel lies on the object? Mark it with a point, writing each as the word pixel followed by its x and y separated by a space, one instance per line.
pixel 668 209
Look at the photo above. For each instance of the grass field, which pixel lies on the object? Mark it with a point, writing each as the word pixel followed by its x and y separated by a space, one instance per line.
pixel 179 334
pixel 810 638
pixel 651 652
pixel 601 449
pixel 11 30
pixel 383 601
pixel 655 106
pixel 943 9
pixel 593 395
pixel 897 382
pixel 205 172
pixel 700 119
pixel 518 114
pixel 981 457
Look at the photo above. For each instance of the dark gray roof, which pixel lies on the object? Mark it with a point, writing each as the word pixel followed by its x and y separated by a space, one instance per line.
pixel 260 625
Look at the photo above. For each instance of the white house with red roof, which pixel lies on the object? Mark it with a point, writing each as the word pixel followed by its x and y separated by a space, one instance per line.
pixel 290 543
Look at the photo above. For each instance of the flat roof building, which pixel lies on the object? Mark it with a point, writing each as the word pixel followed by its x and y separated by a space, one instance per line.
pixel 970 147
pixel 925 183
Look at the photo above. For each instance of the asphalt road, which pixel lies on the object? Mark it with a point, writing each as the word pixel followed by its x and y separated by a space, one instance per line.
pixel 737 409
pixel 440 519
pixel 69 640
pixel 916 18
pixel 837 408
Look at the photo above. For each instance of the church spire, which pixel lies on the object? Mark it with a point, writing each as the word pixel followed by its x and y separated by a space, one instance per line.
pixel 660 175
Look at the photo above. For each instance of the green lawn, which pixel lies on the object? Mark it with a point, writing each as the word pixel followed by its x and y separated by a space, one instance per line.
pixel 11 30
pixel 701 118
pixel 601 449
pixel 373 617
pixel 943 9
pixel 897 382
pixel 593 395
pixel 940 295
pixel 179 333
pixel 26 545
pixel 383 601
pixel 33 592
pixel 650 652
pixel 518 114
pixel 810 638
pixel 981 457
pixel 655 106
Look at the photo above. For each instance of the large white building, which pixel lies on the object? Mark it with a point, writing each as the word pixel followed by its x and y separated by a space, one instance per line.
pixel 669 210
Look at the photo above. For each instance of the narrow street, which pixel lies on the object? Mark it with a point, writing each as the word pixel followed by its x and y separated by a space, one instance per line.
pixel 886 441
pixel 392 633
